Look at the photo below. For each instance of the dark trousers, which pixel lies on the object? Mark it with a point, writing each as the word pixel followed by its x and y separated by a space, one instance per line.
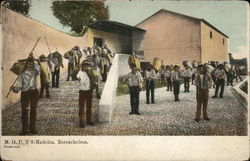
pixel 193 77
pixel 104 74
pixel 230 80
pixel 238 75
pixel 150 88
pixel 46 86
pixel 214 79
pixel 134 98
pixel 219 83
pixel 85 99
pixel 97 91
pixel 202 100
pixel 163 82
pixel 169 84
pixel 176 84
pixel 70 70
pixel 186 84
pixel 29 98
pixel 55 78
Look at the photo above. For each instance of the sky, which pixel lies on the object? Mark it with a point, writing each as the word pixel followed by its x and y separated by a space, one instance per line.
pixel 230 17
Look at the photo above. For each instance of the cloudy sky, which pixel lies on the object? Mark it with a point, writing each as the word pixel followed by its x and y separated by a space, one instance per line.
pixel 228 16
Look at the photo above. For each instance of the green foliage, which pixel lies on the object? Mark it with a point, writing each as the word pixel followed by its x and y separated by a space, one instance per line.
pixel 18 6
pixel 76 14
pixel 122 88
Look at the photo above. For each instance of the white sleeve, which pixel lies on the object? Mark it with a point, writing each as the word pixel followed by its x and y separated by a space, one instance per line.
pixel 78 75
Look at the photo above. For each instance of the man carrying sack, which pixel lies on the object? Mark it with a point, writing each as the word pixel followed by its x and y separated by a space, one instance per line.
pixel 56 59
pixel 72 61
pixel 45 75
pixel 27 84
pixel 203 82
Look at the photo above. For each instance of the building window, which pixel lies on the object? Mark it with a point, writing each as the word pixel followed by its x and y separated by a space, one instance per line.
pixel 98 41
pixel 211 35
pixel 223 41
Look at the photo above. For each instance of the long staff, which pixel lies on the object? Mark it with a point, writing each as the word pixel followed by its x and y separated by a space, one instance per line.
pixel 47 44
pixel 25 63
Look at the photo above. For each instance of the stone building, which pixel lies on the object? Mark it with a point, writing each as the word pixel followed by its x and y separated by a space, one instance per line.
pixel 170 36
pixel 117 36
pixel 175 37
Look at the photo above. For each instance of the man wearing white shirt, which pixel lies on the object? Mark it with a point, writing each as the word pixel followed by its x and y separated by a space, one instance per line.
pixel 85 94
pixel 187 74
pixel 134 81
pixel 176 78
pixel 150 83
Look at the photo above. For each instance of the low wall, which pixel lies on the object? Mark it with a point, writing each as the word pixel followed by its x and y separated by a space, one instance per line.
pixel 109 91
pixel 242 96
pixel 19 34
pixel 119 68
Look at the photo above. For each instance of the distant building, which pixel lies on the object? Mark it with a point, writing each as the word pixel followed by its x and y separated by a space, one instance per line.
pixel 117 36
pixel 175 37
pixel 237 62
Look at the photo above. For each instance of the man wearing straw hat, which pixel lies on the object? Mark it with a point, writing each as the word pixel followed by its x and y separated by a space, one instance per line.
pixel 176 79
pixel 150 83
pixel 134 81
pixel 27 84
pixel 203 82
pixel 187 74
pixel 220 75
pixel 167 74
pixel 85 94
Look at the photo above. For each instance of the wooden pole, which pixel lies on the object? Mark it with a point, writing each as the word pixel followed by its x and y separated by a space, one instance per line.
pixel 25 63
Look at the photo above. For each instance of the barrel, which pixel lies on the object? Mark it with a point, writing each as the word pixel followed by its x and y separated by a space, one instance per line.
pixel 134 60
pixel 157 63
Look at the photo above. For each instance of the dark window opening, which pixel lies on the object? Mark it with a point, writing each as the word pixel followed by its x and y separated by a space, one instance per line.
pixel 223 41
pixel 211 35
pixel 98 41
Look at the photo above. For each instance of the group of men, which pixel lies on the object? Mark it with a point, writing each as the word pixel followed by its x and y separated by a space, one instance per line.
pixel 203 76
pixel 47 67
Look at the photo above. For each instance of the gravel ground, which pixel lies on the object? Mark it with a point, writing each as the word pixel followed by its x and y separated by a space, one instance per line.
pixel 167 117
pixel 59 115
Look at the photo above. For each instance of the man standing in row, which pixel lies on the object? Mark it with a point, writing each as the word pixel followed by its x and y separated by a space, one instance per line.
pixel 176 79
pixel 167 74
pixel 150 83
pixel 161 72
pixel 27 84
pixel 203 82
pixel 134 81
pixel 220 75
pixel 187 74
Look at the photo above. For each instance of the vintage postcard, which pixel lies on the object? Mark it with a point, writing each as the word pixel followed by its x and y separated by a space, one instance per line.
pixel 124 80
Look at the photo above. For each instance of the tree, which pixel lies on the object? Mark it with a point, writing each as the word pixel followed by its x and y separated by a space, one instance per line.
pixel 76 14
pixel 18 6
